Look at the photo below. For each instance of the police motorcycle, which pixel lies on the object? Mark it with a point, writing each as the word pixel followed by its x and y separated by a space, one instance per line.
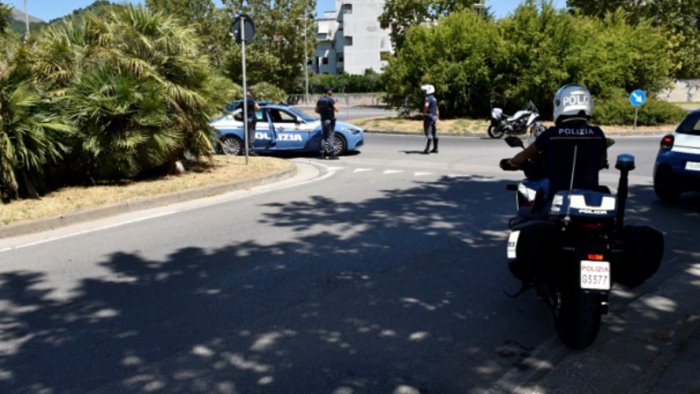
pixel 521 123
pixel 574 247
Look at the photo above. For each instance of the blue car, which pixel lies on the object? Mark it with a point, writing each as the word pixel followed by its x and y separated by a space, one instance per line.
pixel 281 128
pixel 677 167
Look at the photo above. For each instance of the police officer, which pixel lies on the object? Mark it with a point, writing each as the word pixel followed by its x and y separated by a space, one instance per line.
pixel 574 152
pixel 431 113
pixel 326 106
pixel 572 147
pixel 251 107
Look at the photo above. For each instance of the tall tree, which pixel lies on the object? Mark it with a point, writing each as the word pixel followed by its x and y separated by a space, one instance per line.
pixel 399 15
pixel 201 15
pixel 679 18
pixel 5 15
pixel 284 32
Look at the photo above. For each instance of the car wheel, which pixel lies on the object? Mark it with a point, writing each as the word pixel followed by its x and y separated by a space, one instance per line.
pixel 339 145
pixel 231 145
pixel 664 187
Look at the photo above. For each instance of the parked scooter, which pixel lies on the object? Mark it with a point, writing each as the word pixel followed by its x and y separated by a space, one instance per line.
pixel 572 247
pixel 521 123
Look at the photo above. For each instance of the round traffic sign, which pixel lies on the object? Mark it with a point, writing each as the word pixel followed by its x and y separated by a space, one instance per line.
pixel 638 97
pixel 243 28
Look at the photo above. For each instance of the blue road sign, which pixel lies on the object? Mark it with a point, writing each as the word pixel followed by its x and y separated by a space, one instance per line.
pixel 638 97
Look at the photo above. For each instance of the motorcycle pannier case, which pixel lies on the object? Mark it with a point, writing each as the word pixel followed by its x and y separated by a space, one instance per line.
pixel 536 244
pixel 643 249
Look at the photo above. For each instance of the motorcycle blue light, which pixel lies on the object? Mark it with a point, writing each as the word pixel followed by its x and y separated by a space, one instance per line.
pixel 625 161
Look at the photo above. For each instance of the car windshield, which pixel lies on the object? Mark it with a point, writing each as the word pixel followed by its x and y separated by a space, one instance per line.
pixel 306 117
pixel 690 125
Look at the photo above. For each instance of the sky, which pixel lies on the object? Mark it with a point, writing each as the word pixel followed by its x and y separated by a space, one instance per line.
pixel 52 9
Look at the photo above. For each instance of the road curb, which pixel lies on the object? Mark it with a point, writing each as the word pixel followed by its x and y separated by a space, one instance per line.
pixel 51 223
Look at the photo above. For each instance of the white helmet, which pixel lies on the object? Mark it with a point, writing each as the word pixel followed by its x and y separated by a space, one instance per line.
pixel 572 101
pixel 428 89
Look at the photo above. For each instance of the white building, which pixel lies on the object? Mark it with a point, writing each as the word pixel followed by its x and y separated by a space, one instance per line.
pixel 350 39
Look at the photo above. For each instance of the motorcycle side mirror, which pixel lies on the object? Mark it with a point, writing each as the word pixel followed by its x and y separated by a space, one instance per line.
pixel 625 162
pixel 609 142
pixel 514 142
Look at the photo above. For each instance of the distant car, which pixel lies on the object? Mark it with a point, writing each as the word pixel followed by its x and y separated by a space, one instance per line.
pixel 677 167
pixel 281 128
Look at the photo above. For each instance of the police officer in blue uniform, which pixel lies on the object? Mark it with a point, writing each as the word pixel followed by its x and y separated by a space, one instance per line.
pixel 431 113
pixel 326 106
pixel 571 147
pixel 574 152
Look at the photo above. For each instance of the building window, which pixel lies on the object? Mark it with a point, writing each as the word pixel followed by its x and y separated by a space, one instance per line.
pixel 347 8
pixel 348 41
pixel 325 60
pixel 340 58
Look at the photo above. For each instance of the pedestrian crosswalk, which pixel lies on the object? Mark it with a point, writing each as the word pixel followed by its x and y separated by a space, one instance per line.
pixel 392 171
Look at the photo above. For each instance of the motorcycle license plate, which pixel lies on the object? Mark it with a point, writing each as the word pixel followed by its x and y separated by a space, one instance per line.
pixel 595 275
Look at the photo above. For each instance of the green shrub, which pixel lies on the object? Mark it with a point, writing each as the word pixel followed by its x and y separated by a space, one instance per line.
pixel 269 92
pixel 618 110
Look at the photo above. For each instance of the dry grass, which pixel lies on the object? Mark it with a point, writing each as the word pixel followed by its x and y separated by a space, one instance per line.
pixel 404 125
pixel 222 169
pixel 469 126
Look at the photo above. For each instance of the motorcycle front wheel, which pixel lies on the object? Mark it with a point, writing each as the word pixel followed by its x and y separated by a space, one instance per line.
pixel 495 132
pixel 576 316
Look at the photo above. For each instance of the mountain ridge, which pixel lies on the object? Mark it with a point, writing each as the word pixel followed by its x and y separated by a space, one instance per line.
pixel 19 15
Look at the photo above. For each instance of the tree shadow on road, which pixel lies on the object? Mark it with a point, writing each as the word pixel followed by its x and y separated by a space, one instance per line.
pixel 401 291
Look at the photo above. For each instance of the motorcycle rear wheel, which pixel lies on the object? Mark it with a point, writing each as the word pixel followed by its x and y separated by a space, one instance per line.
pixel 576 317
pixel 495 132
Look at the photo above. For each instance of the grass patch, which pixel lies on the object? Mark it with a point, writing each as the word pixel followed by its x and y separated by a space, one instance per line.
pixel 222 169
pixel 464 126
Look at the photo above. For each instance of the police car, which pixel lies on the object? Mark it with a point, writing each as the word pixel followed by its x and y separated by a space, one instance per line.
pixel 677 167
pixel 281 128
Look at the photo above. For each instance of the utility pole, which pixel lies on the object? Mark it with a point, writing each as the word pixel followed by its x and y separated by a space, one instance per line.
pixel 306 63
pixel 26 22
pixel 479 7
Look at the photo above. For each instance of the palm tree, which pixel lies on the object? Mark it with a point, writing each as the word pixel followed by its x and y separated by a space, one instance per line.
pixel 30 135
pixel 156 47
pixel 135 85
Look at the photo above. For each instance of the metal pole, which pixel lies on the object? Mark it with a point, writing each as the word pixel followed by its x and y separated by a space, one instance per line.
pixel 306 65
pixel 26 22
pixel 245 90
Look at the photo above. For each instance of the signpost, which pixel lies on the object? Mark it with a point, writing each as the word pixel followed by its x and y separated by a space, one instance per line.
pixel 243 31
pixel 637 99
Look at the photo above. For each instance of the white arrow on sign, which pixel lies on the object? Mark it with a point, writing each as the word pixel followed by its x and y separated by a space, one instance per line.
pixel 637 97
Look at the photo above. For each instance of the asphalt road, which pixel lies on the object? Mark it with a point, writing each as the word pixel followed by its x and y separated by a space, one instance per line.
pixel 382 272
